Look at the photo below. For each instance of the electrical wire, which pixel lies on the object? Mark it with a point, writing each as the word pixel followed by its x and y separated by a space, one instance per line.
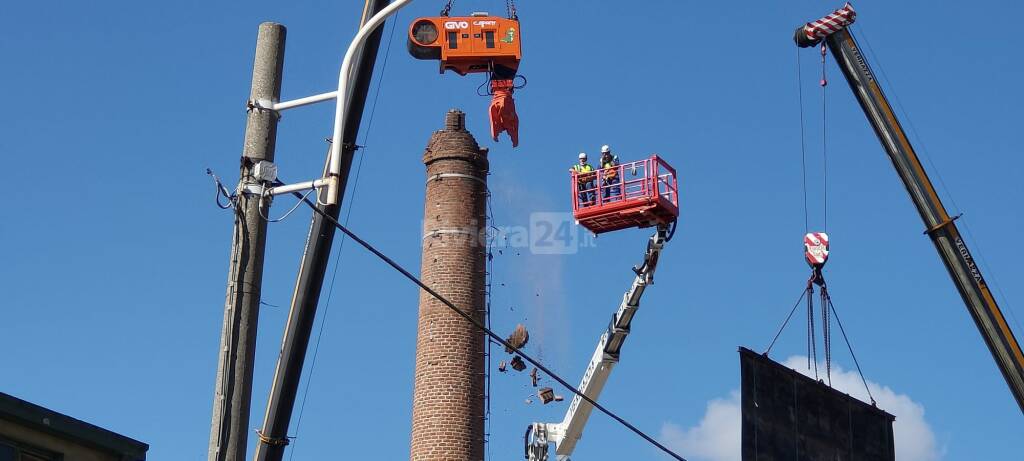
pixel 283 217
pixel 341 244
pixel 228 342
pixel 221 191
pixel 494 336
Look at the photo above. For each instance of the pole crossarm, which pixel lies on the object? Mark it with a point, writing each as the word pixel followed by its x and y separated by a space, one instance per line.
pixel 343 81
pixel 334 158
pixel 268 104
pixel 289 188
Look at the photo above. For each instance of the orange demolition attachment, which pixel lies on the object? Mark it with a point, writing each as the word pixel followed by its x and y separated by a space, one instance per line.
pixel 474 44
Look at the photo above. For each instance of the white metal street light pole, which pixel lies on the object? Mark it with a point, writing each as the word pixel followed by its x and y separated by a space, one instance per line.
pixel 332 180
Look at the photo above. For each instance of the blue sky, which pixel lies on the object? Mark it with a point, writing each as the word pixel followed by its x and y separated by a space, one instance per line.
pixel 115 256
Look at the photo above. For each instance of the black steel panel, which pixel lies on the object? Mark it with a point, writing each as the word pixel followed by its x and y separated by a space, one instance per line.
pixel 790 417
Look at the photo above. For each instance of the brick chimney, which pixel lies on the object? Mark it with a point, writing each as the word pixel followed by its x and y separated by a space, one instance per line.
pixel 448 397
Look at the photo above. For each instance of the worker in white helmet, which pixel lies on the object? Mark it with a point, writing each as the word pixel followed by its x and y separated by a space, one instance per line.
pixel 610 175
pixel 584 180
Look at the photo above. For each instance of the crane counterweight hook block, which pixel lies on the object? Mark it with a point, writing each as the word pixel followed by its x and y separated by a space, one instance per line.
pixel 475 44
pixel 816 254
pixel 816 248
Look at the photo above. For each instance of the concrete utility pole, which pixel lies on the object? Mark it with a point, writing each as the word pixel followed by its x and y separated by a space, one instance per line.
pixel 448 397
pixel 310 280
pixel 230 429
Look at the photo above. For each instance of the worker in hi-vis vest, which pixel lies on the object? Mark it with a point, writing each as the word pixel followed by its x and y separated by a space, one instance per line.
pixel 584 180
pixel 610 189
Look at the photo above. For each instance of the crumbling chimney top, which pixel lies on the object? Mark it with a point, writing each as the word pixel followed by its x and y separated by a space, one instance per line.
pixel 455 120
pixel 455 142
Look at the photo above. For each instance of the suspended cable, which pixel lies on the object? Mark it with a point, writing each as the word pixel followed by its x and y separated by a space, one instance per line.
pixel 803 137
pixel 812 358
pixel 816 278
pixel 850 347
pixel 341 244
pixel 783 326
pixel 824 142
pixel 494 336
pixel 803 141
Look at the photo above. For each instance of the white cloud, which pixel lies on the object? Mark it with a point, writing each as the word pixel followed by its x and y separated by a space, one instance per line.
pixel 717 436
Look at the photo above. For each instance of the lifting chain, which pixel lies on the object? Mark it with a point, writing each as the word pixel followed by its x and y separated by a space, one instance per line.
pixel 826 325
pixel 812 348
pixel 826 332
pixel 510 9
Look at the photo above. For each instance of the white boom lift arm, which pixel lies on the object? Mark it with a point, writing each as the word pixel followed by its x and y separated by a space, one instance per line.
pixel 566 433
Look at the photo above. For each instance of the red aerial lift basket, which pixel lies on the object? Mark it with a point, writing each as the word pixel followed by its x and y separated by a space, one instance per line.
pixel 636 194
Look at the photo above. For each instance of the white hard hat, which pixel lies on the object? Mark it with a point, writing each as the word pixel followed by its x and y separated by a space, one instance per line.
pixel 583 155
pixel 605 148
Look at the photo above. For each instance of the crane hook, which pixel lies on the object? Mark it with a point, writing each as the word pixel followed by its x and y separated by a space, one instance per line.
pixel 824 81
